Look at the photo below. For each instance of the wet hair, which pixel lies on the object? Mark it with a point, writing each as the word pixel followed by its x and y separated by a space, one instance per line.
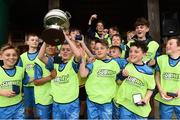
pixel 103 42
pixel 175 37
pixel 140 44
pixel 141 21
pixel 8 46
pixel 116 47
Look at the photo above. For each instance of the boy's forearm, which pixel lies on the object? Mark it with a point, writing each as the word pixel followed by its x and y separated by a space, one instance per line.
pixel 41 54
pixel 87 50
pixel 42 80
pixel 74 48
pixel 157 79
pixel 82 69
pixel 148 94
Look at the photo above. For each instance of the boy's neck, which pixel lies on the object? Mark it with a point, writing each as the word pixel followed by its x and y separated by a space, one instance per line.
pixel 142 38
pixel 139 63
pixel 106 57
pixel 32 50
pixel 175 56
pixel 7 67
pixel 100 32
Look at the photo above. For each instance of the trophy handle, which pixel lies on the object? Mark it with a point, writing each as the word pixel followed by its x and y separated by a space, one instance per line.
pixel 68 14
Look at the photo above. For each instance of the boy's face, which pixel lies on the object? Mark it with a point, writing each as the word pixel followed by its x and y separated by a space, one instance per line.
pixel 112 32
pixel 130 35
pixel 66 52
pixel 171 47
pixel 9 57
pixel 141 31
pixel 136 55
pixel 92 45
pixel 105 31
pixel 114 53
pixel 100 27
pixel 101 51
pixel 33 41
pixel 73 34
pixel 116 41
pixel 51 50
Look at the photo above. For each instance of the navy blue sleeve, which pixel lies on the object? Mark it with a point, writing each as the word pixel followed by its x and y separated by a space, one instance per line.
pixel 75 66
pixel 50 65
pixel 121 62
pixel 26 78
pixel 91 31
pixel 89 66
pixel 20 63
pixel 157 53
pixel 37 72
pixel 157 69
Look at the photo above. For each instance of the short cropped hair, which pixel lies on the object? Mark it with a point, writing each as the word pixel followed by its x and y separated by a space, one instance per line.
pixel 177 38
pixel 141 21
pixel 116 47
pixel 103 42
pixel 117 35
pixel 140 44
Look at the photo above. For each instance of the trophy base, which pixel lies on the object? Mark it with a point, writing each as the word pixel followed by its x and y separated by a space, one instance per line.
pixel 53 36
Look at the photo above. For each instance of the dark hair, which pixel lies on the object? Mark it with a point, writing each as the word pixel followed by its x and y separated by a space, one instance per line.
pixel 175 37
pixel 116 47
pixel 103 42
pixel 30 34
pixel 72 29
pixel 117 35
pixel 141 21
pixel 140 44
pixel 114 28
pixel 100 21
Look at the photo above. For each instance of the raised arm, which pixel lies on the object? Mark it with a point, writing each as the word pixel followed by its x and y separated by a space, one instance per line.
pixel 86 48
pixel 82 69
pixel 74 48
pixel 42 55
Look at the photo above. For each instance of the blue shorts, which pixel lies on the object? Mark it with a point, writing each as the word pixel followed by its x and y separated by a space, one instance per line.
pixel 66 110
pixel 166 111
pixel 44 111
pixel 12 112
pixel 99 111
pixel 115 112
pixel 29 100
pixel 124 113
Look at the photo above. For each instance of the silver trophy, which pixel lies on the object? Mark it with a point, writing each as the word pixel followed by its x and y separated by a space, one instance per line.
pixel 55 22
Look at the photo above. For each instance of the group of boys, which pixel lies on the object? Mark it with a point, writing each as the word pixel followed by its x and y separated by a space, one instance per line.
pixel 119 80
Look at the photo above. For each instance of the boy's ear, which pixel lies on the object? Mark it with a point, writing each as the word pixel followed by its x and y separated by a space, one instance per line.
pixel 0 55
pixel 147 29
pixel 179 48
pixel 25 42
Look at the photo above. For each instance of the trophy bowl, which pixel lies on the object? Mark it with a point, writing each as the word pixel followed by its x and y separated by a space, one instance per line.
pixel 55 22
